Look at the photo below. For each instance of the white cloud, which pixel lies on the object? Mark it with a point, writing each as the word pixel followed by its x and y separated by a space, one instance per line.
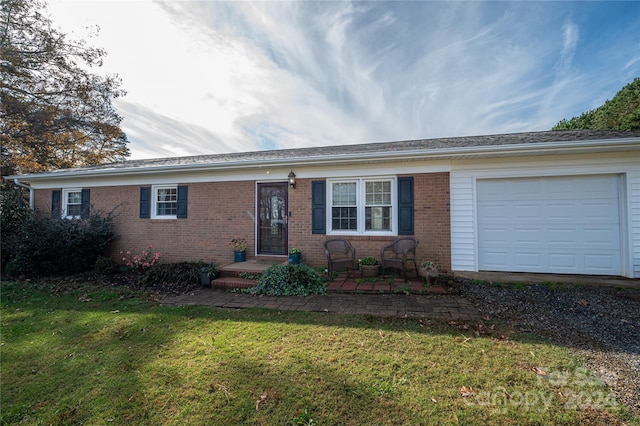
pixel 570 36
pixel 206 77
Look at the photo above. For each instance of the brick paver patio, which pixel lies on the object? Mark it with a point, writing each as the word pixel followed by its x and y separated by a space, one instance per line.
pixel 387 305
pixel 382 296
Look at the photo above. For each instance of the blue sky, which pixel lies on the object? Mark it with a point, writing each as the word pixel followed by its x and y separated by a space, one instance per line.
pixel 214 77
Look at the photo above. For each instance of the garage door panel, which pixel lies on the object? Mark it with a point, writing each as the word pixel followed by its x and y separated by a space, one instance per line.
pixel 601 210
pixel 560 189
pixel 522 236
pixel 494 212
pixel 528 260
pixel 597 262
pixel 493 190
pixel 561 211
pixel 498 260
pixel 563 236
pixel 601 238
pixel 562 261
pixel 601 188
pixel 527 188
pixel 551 224
pixel 527 211
pixel 495 236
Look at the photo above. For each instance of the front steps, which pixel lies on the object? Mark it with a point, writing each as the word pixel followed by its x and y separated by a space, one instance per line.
pixel 230 279
pixel 230 274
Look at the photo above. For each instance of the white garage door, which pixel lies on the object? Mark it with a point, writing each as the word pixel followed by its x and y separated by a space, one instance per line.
pixel 556 225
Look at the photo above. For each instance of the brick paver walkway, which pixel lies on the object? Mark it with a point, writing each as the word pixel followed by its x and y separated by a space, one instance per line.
pixel 388 305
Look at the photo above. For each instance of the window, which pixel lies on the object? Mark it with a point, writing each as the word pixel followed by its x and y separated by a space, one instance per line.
pixel 378 206
pixel 165 202
pixel 362 206
pixel 72 203
pixel 344 207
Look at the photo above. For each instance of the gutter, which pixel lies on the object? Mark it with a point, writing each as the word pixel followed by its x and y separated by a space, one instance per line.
pixel 31 194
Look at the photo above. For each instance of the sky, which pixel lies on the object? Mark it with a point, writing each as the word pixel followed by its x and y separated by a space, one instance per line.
pixel 207 77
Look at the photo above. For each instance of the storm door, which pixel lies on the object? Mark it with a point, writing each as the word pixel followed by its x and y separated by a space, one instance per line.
pixel 272 218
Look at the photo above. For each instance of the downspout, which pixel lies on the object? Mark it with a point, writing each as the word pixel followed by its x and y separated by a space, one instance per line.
pixel 31 193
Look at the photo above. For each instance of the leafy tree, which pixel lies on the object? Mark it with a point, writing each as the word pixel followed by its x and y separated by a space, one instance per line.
pixel 620 113
pixel 54 112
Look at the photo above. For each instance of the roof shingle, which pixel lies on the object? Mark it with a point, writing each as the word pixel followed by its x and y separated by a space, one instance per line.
pixel 432 145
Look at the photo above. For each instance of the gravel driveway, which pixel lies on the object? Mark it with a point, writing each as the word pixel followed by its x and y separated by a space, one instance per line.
pixel 599 323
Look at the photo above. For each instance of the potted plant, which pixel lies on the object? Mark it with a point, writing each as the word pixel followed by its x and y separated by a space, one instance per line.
pixel 369 266
pixel 207 273
pixel 294 256
pixel 239 249
pixel 429 272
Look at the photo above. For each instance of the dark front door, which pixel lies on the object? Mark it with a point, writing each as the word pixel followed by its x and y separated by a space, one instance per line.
pixel 272 218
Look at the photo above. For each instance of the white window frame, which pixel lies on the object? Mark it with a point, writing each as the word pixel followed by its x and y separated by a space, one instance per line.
pixel 65 202
pixel 361 204
pixel 154 202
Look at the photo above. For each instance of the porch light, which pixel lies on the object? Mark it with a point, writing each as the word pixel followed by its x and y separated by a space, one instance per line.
pixel 292 180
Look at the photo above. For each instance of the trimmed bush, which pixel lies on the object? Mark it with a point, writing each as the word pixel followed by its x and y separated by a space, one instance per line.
pixel 14 213
pixel 173 275
pixel 289 280
pixel 55 246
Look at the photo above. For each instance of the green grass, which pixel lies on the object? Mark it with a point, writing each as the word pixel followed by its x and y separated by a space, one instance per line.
pixel 86 355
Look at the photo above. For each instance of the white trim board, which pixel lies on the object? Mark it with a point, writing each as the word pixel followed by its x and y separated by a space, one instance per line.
pixel 265 174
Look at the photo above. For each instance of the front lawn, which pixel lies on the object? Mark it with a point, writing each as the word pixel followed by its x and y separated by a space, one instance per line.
pixel 88 355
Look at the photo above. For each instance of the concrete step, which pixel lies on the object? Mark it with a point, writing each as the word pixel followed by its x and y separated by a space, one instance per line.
pixel 253 266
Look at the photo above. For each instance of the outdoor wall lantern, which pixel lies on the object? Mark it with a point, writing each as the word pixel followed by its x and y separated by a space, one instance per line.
pixel 292 180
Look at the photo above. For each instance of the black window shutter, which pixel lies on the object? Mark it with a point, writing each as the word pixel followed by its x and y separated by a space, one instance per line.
pixel 182 202
pixel 405 206
pixel 318 207
pixel 145 202
pixel 55 203
pixel 85 202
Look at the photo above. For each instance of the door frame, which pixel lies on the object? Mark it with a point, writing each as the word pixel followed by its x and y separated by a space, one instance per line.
pixel 285 235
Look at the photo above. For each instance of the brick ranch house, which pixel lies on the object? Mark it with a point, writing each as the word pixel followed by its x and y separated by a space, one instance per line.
pixel 549 202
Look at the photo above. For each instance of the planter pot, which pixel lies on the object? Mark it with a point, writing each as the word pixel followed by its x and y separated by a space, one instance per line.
pixel 294 258
pixel 239 256
pixel 205 279
pixel 369 271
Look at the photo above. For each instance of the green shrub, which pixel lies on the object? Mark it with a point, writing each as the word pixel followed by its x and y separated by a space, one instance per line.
pixel 14 212
pixel 55 246
pixel 173 275
pixel 249 276
pixel 107 266
pixel 289 280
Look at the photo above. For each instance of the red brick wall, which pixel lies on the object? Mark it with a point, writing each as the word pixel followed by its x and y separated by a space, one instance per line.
pixel 431 223
pixel 432 218
pixel 42 201
pixel 219 212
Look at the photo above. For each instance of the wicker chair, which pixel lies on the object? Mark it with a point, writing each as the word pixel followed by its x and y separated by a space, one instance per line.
pixel 340 254
pixel 397 254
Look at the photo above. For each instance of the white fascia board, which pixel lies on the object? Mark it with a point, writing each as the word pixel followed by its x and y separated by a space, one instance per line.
pixel 487 151
pixel 549 165
pixel 262 174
